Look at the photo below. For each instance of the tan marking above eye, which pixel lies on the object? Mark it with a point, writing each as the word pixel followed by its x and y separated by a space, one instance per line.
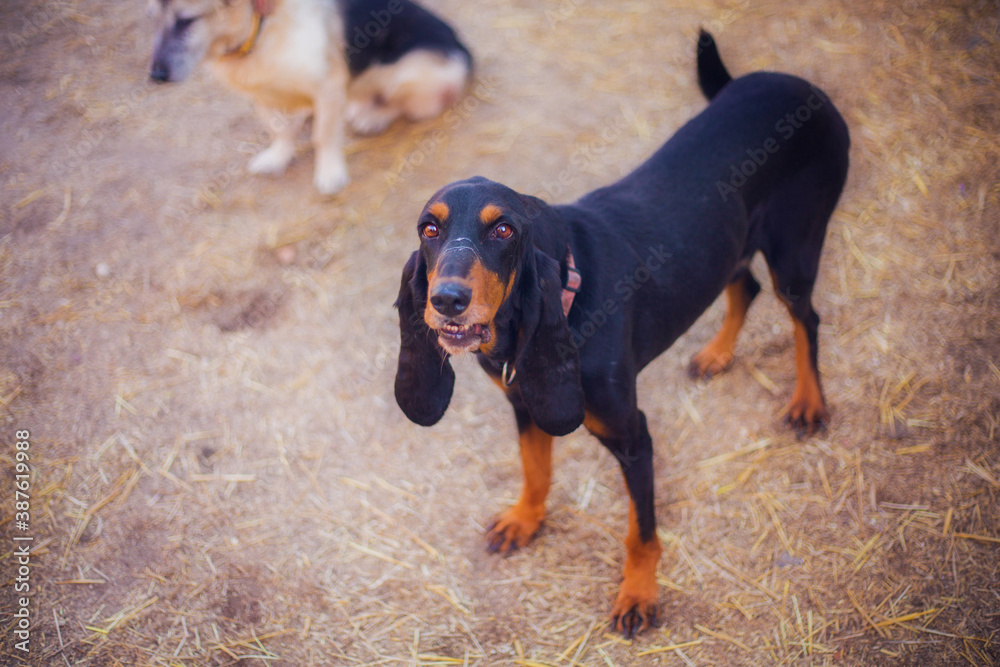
pixel 439 210
pixel 490 214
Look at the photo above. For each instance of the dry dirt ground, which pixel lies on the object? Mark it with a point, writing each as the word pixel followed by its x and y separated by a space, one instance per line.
pixel 204 361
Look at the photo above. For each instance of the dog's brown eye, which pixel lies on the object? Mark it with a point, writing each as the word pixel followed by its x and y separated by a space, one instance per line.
pixel 429 231
pixel 503 231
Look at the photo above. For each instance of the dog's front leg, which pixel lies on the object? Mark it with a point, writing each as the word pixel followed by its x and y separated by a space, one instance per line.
pixel 638 601
pixel 284 127
pixel 515 527
pixel 328 135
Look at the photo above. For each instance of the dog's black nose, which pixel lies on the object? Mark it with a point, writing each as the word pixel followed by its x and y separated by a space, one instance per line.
pixel 451 299
pixel 159 72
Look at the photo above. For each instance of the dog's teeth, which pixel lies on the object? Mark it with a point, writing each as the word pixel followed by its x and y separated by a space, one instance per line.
pixel 462 330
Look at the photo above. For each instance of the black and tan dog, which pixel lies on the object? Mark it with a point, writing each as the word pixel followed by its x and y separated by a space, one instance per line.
pixel 760 169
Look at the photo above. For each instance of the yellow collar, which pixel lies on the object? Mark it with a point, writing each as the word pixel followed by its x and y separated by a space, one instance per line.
pixel 248 45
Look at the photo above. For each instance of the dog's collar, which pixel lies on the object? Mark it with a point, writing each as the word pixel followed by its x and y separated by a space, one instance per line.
pixel 573 280
pixel 247 46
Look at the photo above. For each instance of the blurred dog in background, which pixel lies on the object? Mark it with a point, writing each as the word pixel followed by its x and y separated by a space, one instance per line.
pixel 364 62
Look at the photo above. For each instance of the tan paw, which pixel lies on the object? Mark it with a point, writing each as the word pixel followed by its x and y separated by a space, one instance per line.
pixel 512 530
pixel 635 610
pixel 807 415
pixel 709 362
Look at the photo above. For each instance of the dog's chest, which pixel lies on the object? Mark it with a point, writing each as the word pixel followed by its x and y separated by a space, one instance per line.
pixel 288 66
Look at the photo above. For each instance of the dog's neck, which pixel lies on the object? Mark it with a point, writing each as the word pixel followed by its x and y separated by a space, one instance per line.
pixel 251 40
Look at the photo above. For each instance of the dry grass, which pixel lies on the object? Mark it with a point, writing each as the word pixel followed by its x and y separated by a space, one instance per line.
pixel 204 357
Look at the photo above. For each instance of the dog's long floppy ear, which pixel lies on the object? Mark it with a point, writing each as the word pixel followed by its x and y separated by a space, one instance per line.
pixel 547 362
pixel 424 377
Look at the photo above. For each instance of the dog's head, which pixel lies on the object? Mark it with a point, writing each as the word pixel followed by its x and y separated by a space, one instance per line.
pixel 480 283
pixel 191 30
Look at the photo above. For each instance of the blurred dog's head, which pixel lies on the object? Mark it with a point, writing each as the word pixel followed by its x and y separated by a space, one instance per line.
pixel 191 30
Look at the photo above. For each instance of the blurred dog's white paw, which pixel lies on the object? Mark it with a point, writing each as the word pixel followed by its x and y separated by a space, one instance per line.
pixel 272 160
pixel 331 174
pixel 368 119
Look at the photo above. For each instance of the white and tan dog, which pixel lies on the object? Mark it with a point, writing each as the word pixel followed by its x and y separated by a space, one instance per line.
pixel 365 62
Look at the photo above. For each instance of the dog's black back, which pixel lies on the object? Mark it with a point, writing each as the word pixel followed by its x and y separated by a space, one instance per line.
pixel 709 197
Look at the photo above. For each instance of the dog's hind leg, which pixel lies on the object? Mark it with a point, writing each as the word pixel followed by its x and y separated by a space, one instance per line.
pixel 807 410
pixel 718 354
pixel 371 116
pixel 368 107
pixel 428 83
pixel 420 86
pixel 285 127
pixel 794 229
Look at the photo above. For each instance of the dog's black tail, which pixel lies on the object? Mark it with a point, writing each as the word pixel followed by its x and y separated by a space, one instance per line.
pixel 712 74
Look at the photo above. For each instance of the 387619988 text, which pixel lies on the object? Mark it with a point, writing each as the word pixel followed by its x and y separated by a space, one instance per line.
pixel 22 541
